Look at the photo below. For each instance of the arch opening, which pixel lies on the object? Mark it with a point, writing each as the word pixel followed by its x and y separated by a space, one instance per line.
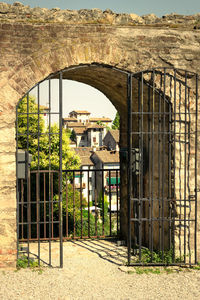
pixel 155 131
pixel 54 196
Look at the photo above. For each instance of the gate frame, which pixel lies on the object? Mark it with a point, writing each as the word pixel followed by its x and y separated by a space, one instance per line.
pixel 56 75
pixel 130 77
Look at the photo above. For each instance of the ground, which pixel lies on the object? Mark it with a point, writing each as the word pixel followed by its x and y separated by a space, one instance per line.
pixel 96 270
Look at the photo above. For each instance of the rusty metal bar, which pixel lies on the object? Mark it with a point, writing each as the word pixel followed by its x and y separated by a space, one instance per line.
pixel 88 196
pixel 95 203
pixel 52 222
pixel 74 213
pixel 67 224
pixel 45 215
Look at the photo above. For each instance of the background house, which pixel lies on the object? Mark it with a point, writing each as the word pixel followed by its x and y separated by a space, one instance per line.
pixel 86 131
pixel 87 179
pixel 111 140
pixel 82 116
pixel 104 159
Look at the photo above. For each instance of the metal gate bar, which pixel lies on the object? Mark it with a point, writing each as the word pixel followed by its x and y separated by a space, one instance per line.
pixel 162 195
pixel 31 202
pixel 81 204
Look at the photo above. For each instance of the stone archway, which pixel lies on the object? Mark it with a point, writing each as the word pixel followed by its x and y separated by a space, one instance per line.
pixel 31 51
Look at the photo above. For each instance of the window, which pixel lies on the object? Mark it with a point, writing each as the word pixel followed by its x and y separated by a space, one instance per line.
pixel 94 139
pixel 82 138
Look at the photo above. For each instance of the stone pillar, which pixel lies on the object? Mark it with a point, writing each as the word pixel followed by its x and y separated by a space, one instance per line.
pixel 8 245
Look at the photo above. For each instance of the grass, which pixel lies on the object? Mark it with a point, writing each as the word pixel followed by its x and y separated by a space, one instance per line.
pixel 22 263
pixel 157 257
pixel 197 267
pixel 147 270
pixel 166 257
pixel 152 270
pixel 162 270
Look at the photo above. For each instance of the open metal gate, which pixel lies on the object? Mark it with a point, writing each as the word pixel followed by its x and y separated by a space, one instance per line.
pixel 162 169
pixel 32 198
pixel 54 203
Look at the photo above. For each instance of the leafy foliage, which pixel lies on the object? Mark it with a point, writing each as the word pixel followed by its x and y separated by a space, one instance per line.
pixel 33 136
pixel 22 263
pixel 116 122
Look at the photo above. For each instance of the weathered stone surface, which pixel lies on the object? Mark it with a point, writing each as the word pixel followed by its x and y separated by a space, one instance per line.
pixel 22 13
pixel 37 42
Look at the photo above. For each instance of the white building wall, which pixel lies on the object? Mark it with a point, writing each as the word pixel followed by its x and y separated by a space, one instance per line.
pixel 83 118
pixel 98 135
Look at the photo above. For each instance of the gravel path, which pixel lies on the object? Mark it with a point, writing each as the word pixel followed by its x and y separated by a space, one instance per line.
pixel 93 270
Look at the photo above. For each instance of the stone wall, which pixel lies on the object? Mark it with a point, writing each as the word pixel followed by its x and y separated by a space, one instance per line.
pixel 37 42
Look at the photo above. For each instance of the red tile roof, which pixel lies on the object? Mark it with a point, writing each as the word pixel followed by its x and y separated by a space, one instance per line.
pixel 70 119
pixel 84 153
pixel 91 126
pixel 100 119
pixel 79 130
pixel 76 124
pixel 108 156
pixel 82 112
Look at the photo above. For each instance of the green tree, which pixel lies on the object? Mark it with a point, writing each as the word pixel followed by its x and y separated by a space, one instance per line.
pixel 28 125
pixel 29 129
pixel 116 122
pixel 104 125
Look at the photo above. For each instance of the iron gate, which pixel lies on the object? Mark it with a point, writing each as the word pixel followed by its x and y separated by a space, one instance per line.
pixel 162 173
pixel 30 135
pixel 162 169
pixel 45 188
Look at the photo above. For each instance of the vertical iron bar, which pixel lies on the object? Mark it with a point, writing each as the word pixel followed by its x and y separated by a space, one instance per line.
pixel 88 184
pixel 103 221
pixel 29 200
pixel 66 206
pixel 95 203
pixel 149 179
pixel 180 178
pixel 60 168
pixel 169 163
pixel 81 203
pixel 174 171
pixel 38 212
pixel 163 162
pixel 37 205
pixel 129 162
pixel 152 169
pixel 74 213
pixel 28 185
pixel 50 198
pixel 22 207
pixel 185 158
pixel 44 178
pixel 188 174
pixel 141 163
pixel 196 143
pixel 52 223
pixel 117 195
pixel 38 175
pixel 110 202
pixel 159 165
pixel 17 182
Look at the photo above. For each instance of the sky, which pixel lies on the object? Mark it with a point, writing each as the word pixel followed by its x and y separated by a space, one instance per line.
pixel 78 96
pixel 141 7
